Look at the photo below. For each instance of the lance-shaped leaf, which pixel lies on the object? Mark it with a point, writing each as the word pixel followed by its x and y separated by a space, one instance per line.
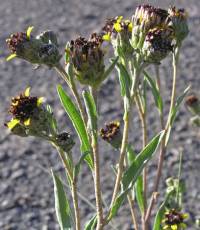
pixel 174 113
pixel 63 211
pixel 91 224
pixel 91 111
pixel 125 84
pixel 139 193
pixel 77 122
pixel 133 172
pixel 156 94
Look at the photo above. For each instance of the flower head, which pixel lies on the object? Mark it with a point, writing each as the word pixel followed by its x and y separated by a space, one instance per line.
pixel 41 49
pixel 29 117
pixel 193 104
pixel 157 44
pixel 118 31
pixel 111 134
pixel 174 220
pixel 146 17
pixel 64 141
pixel 87 58
pixel 178 21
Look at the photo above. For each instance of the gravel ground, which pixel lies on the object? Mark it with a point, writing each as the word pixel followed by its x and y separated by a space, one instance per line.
pixel 26 200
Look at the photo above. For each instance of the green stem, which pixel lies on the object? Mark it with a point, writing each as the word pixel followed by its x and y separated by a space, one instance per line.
pixel 142 115
pixel 97 182
pixel 167 127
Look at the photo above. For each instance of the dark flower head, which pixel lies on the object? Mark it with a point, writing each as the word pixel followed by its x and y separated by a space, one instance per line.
pixel 174 220
pixel 16 41
pixel 157 44
pixel 42 49
pixel 64 141
pixel 23 107
pixel 178 21
pixel 111 134
pixel 148 17
pixel 193 104
pixel 87 58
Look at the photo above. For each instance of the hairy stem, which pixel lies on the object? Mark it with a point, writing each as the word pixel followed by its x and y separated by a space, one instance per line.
pixel 97 182
pixel 163 147
pixel 75 203
pixel 142 115
pixel 121 157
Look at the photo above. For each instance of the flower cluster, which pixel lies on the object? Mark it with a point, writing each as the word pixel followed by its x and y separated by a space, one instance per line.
pixel 174 220
pixel 153 32
pixel 42 49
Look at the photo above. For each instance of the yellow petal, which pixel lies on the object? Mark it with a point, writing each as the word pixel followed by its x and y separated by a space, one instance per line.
pixel 117 27
pixel 12 123
pixel 27 122
pixel 119 19
pixel 174 227
pixel 130 26
pixel 27 91
pixel 165 227
pixel 10 57
pixel 185 216
pixel 106 37
pixel 28 32
pixel 40 100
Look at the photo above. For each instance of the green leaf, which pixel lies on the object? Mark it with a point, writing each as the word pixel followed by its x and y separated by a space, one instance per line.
pixel 91 110
pixel 110 68
pixel 139 193
pixel 130 154
pixel 63 211
pixel 78 165
pixel 91 225
pixel 134 170
pixel 77 122
pixel 124 79
pixel 177 105
pixel 52 120
pixel 174 112
pixel 156 94
pixel 160 214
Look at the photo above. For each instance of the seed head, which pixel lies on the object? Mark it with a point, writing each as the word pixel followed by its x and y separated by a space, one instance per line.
pixel 65 141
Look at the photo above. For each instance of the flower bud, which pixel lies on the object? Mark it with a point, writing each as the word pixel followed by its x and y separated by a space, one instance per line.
pixel 174 219
pixel 118 31
pixel 28 116
pixel 157 45
pixel 39 50
pixel 193 104
pixel 64 141
pixel 111 134
pixel 87 58
pixel 178 21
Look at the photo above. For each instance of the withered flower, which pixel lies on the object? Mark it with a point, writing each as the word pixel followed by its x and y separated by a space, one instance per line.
pixel 174 220
pixel 157 44
pixel 87 58
pixel 42 49
pixel 112 134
